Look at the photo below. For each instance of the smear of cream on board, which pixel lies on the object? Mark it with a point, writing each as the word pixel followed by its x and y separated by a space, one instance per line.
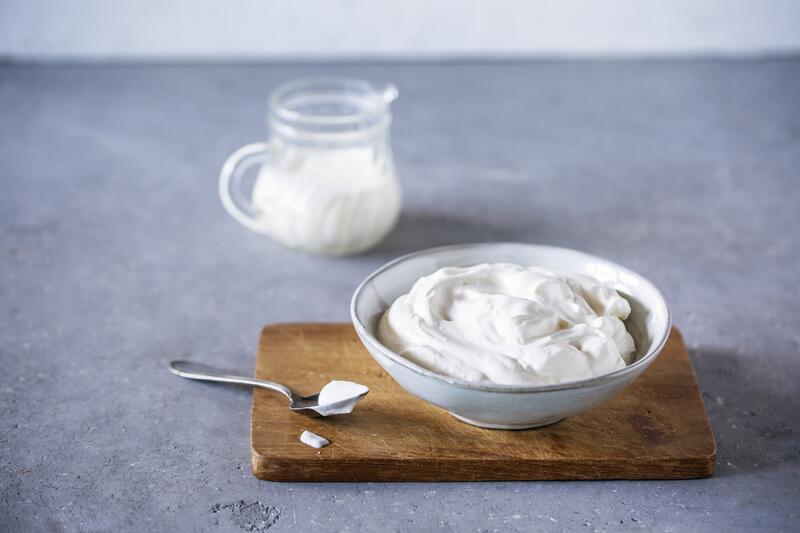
pixel 340 397
pixel 313 440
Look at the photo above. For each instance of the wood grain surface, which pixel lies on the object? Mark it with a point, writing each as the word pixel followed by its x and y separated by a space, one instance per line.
pixel 656 429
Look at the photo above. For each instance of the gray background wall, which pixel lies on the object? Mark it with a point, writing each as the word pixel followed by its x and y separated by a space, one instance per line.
pixel 277 29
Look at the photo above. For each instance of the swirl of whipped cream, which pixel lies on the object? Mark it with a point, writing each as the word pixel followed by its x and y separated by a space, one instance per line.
pixel 510 324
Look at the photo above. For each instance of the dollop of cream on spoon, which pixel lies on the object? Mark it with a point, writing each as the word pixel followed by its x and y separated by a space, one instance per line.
pixel 339 397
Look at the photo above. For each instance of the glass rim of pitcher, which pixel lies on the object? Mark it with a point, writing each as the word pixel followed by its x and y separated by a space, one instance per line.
pixel 354 90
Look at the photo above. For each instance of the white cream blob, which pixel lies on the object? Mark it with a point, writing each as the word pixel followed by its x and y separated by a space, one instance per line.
pixel 313 440
pixel 339 397
pixel 509 324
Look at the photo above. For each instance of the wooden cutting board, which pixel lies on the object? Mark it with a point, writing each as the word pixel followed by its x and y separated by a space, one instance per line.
pixel 656 429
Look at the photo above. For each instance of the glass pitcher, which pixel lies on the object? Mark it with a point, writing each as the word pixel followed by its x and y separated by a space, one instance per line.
pixel 326 182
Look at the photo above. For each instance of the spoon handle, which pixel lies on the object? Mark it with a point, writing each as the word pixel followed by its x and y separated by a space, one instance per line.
pixel 190 370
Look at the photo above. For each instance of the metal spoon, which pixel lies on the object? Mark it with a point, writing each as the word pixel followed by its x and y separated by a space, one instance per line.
pixel 306 405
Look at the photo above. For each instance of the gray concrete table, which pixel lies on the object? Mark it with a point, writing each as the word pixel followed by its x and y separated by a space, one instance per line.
pixel 117 256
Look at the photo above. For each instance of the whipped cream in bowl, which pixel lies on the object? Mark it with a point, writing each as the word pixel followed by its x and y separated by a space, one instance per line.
pixel 510 324
pixel 509 335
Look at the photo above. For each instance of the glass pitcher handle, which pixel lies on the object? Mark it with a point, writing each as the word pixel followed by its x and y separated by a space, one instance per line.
pixel 233 199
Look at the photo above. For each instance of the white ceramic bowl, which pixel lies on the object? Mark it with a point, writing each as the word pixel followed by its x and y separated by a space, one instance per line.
pixel 510 406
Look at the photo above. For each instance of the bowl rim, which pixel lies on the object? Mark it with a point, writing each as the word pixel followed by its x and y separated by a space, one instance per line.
pixel 644 361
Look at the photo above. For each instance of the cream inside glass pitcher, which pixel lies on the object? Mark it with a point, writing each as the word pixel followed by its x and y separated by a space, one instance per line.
pixel 327 182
